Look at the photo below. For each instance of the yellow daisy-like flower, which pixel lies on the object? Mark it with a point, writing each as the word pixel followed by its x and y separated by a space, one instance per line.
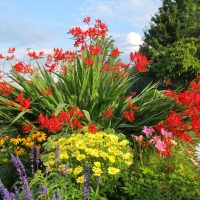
pixel 33 136
pixel 19 151
pixel 41 136
pixel 49 163
pixel 5 160
pixel 63 156
pixel 124 143
pixel 16 140
pixel 28 142
pixel 97 171
pixel 127 156
pixel 97 164
pixel 80 157
pixel 78 170
pixel 113 170
pixel 111 159
pixel 80 179
pixel 51 155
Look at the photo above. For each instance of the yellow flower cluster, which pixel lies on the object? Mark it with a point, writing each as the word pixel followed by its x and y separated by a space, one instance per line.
pixel 3 139
pixel 27 141
pixel 102 152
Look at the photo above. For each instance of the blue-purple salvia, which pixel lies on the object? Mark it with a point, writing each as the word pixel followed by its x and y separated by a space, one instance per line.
pixel 22 177
pixel 37 157
pixel 99 180
pixel 43 190
pixel 53 197
pixel 86 189
pixel 5 194
pixel 58 194
pixel 32 159
pixel 16 191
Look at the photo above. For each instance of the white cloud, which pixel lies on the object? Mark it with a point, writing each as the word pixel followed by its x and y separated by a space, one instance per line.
pixel 138 13
pixel 134 39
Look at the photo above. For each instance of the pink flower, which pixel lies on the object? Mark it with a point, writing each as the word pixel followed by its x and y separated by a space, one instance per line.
pixel 160 145
pixel 154 139
pixel 165 133
pixel 138 138
pixel 148 131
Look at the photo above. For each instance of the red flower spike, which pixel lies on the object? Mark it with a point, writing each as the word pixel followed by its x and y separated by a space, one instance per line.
pixel 115 52
pixel 1 57
pixel 108 113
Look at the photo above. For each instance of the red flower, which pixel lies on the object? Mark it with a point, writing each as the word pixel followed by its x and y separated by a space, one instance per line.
pixel 11 50
pixel 92 128
pixel 86 20
pixel 108 113
pixel 115 52
pixel 25 104
pixel 129 115
pixel 88 61
pixel 32 55
pixel 47 92
pixel 27 128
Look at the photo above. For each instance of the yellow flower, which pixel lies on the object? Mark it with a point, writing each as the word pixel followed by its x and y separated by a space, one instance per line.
pixel 124 143
pixel 5 160
pixel 63 156
pixel 129 162
pixel 3 139
pixel 51 155
pixel 19 151
pixel 80 157
pixel 97 164
pixel 97 171
pixel 127 156
pixel 80 145
pixel 113 170
pixel 33 136
pixel 16 140
pixel 111 159
pixel 41 136
pixel 80 179
pixel 28 142
pixel 78 170
pixel 49 163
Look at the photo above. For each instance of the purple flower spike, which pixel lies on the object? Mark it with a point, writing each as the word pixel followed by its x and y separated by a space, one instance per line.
pixel 22 177
pixel 5 193
pixel 86 189
pixel 37 159
pixel 57 154
pixel 43 190
pixel 32 159
pixel 58 194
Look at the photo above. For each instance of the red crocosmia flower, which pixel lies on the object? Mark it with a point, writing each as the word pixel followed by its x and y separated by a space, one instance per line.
pixel 86 20
pixel 54 124
pixel 25 104
pixel 9 57
pixel 20 97
pixel 129 115
pixel 5 89
pixel 32 55
pixel 197 76
pixel 27 128
pixel 133 93
pixel 127 96
pixel 41 54
pixel 168 82
pixel 132 106
pixel 11 50
pixel 64 117
pixel 47 92
pixel 108 113
pixel 92 128
pixel 1 56
pixel 88 61
pixel 76 125
pixel 115 52
pixel 5 103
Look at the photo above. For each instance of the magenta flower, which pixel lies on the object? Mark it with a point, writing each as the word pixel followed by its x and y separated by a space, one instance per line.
pixel 160 145
pixel 165 133
pixel 148 131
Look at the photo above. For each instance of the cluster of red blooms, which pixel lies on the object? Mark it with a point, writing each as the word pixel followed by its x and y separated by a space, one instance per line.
pixel 5 89
pixel 24 103
pixel 23 68
pixel 176 122
pixel 129 114
pixel 55 123
pixel 98 31
pixel 108 113
pixel 140 61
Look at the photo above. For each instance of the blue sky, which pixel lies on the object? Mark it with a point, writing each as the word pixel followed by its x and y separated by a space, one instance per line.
pixel 43 24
